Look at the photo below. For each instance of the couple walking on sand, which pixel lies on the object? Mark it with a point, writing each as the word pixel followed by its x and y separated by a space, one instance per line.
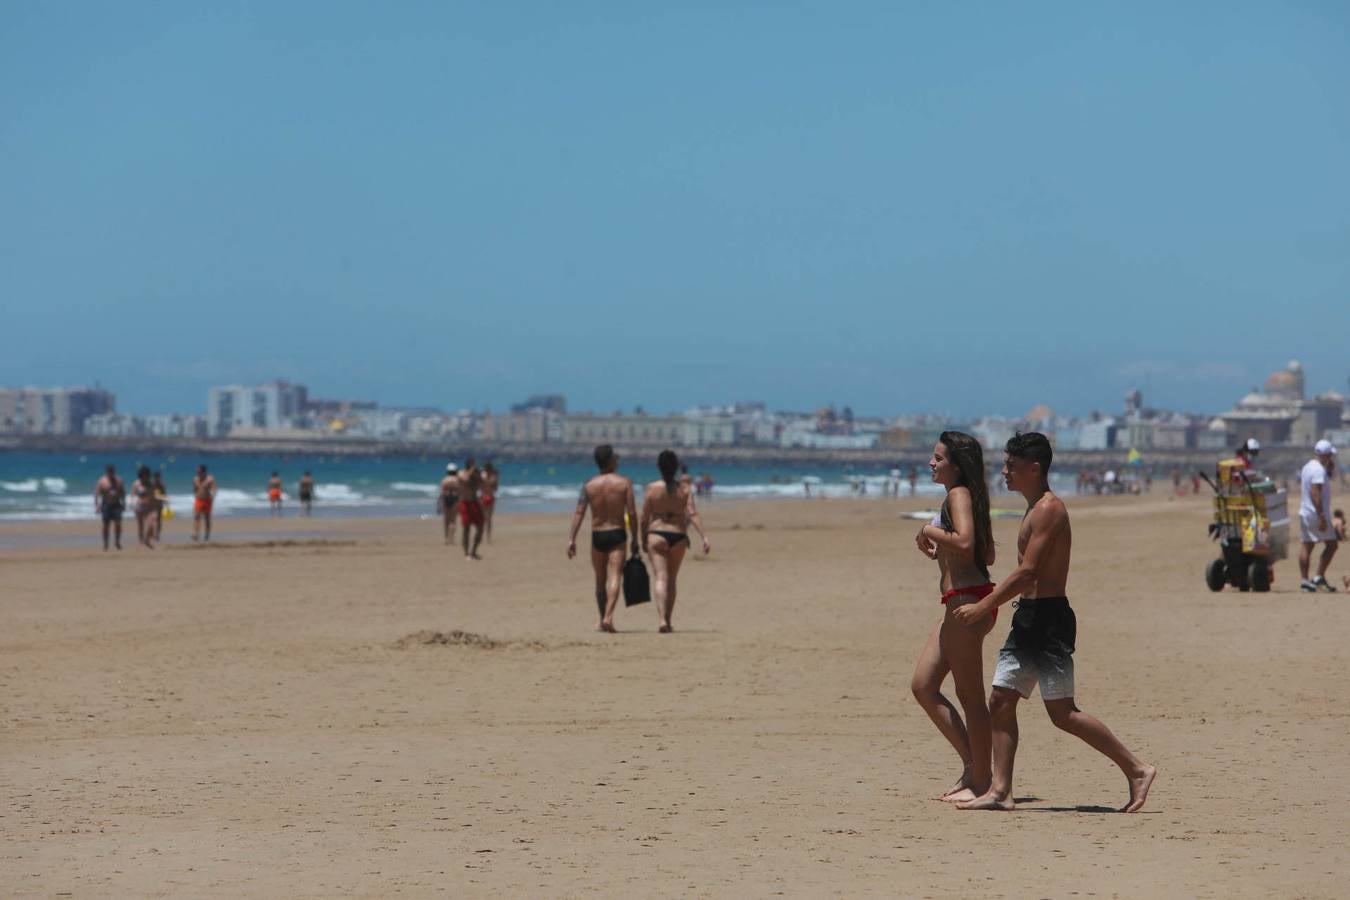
pixel 1040 643
pixel 667 511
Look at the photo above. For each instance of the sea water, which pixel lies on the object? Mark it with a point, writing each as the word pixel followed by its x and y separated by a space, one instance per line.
pixel 53 486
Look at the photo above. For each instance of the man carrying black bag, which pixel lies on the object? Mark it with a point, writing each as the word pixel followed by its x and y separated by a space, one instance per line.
pixel 637 587
pixel 609 497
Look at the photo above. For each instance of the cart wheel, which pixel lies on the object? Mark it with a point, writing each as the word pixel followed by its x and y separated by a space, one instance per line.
pixel 1216 575
pixel 1258 576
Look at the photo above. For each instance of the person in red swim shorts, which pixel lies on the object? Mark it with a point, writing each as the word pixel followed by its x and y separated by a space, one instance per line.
pixel 960 538
pixel 274 494
pixel 470 509
pixel 203 496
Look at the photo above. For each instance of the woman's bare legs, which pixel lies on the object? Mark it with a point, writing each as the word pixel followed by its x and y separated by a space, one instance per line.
pixel 962 650
pixel 929 673
pixel 665 570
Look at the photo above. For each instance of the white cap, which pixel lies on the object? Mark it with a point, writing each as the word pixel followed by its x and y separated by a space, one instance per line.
pixel 1253 444
pixel 1324 446
pixel 451 469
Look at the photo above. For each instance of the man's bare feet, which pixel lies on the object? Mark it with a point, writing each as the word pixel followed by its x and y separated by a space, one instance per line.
pixel 959 795
pixel 988 801
pixel 608 627
pixel 664 628
pixel 1139 785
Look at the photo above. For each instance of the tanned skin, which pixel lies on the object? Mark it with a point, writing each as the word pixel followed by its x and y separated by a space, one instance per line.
pixel 664 511
pixel 1044 542
pixel 203 489
pixel 952 647
pixel 112 492
pixel 470 480
pixel 608 496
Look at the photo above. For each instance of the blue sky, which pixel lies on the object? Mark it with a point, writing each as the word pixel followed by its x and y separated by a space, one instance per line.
pixel 957 208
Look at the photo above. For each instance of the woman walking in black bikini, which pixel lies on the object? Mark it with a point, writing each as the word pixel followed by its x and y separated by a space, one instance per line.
pixel 667 511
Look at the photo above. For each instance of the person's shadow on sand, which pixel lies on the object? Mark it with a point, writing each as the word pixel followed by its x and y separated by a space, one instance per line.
pixel 1062 809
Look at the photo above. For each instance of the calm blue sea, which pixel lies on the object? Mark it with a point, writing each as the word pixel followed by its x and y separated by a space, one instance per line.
pixel 47 486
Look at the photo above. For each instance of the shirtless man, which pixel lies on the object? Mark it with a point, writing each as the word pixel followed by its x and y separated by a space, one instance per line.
pixel 608 496
pixel 1040 644
pixel 203 496
pixel 470 510
pixel 110 501
pixel 306 493
pixel 274 494
pixel 447 501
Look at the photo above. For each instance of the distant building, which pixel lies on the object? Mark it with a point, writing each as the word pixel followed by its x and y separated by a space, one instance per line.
pixel 112 425
pixel 279 404
pixel 531 425
pixel 651 432
pixel 59 410
pixel 554 403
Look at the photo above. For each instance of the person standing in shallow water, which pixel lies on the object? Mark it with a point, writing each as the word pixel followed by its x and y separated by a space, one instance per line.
pixel 961 539
pixel 203 498
pixel 110 499
pixel 667 511
pixel 274 494
pixel 1040 644
pixel 306 493
pixel 609 497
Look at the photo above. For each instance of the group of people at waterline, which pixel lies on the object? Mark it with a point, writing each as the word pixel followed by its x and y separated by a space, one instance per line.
pixel 149 500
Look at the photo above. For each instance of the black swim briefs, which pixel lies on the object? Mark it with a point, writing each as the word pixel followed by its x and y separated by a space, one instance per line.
pixel 607 539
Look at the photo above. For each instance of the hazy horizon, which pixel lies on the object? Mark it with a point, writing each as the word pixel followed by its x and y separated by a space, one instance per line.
pixel 899 208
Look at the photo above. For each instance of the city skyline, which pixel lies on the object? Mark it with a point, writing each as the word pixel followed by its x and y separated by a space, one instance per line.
pixel 892 207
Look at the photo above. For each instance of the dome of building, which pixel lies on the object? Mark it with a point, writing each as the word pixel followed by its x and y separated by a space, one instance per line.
pixel 1279 382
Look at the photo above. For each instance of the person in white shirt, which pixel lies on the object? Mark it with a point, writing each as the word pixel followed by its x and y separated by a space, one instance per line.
pixel 1314 516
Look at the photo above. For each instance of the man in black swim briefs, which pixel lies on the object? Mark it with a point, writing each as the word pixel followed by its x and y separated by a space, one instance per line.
pixel 1040 645
pixel 609 497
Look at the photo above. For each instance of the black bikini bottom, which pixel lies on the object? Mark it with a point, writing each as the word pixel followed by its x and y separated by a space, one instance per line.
pixel 672 538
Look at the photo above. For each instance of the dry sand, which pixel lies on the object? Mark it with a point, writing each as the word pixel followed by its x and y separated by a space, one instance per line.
pixel 267 718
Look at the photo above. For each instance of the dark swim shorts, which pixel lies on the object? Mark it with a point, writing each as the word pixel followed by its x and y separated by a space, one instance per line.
pixel 1039 649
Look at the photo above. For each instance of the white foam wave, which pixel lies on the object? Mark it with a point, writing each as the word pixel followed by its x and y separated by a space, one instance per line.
pixel 27 486
pixel 408 487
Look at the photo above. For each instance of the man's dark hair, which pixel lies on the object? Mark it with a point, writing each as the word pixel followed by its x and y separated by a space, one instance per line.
pixel 1033 447
pixel 603 454
pixel 468 463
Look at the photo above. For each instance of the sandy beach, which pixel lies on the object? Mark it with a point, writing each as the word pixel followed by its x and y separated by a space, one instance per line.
pixel 290 712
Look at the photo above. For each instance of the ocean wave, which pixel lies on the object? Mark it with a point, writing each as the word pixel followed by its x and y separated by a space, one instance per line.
pixel 408 487
pixel 27 486
pixel 48 484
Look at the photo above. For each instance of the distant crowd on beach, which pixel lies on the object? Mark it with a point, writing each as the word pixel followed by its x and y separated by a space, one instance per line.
pixel 148 498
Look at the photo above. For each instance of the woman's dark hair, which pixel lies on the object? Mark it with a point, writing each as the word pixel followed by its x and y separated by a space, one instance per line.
pixel 669 464
pixel 143 473
pixel 965 454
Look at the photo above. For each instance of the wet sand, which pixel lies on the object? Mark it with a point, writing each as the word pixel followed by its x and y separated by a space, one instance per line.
pixel 293 714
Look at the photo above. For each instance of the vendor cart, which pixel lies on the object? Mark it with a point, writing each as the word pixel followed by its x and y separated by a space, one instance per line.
pixel 1251 526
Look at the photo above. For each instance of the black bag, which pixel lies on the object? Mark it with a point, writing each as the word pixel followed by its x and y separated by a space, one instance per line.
pixel 636 587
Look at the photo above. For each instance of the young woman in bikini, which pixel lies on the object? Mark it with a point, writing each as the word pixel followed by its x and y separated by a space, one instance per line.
pixel 961 539
pixel 144 492
pixel 667 511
